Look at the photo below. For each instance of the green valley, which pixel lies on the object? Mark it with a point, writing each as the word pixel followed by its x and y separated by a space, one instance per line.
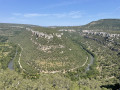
pixel 60 58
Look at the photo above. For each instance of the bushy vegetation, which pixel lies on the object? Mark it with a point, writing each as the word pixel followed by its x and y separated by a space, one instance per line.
pixel 103 73
pixel 64 54
pixel 104 24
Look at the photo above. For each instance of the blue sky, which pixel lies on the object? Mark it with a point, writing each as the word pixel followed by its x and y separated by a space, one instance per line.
pixel 57 12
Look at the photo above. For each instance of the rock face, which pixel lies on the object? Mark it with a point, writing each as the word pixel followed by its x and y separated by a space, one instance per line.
pixel 48 37
pixel 41 34
pixel 104 34
pixel 67 30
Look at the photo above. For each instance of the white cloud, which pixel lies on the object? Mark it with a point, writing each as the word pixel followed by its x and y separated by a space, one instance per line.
pixel 73 14
pixel 59 15
pixel 34 15
pixel 17 14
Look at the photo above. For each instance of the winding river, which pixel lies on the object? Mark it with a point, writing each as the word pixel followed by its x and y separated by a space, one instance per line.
pixel 91 63
pixel 10 65
pixel 91 59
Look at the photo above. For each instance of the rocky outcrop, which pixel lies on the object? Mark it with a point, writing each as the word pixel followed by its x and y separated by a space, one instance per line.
pixel 96 32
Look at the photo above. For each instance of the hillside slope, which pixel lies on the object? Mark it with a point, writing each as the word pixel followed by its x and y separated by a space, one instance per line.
pixel 105 24
pixel 44 49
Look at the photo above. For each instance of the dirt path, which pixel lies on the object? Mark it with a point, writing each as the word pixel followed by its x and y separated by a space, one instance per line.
pixel 64 70
pixel 20 59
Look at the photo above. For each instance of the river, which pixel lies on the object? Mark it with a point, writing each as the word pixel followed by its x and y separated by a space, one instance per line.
pixel 10 65
pixel 91 60
pixel 91 63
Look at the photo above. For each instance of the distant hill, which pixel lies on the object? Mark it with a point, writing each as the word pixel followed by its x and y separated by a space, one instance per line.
pixel 105 24
pixel 15 24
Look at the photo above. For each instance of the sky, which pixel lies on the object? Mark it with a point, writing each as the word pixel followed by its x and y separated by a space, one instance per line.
pixel 58 12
